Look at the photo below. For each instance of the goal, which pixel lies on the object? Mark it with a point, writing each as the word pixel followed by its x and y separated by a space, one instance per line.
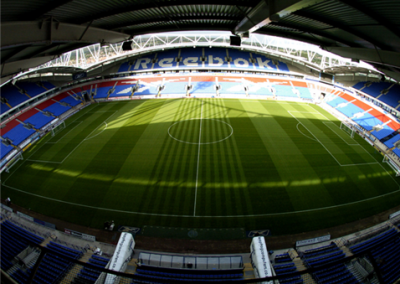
pixel 13 161
pixel 392 164
pixel 57 128
pixel 348 128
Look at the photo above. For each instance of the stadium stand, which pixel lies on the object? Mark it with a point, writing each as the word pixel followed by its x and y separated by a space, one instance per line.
pixel 13 241
pixel 18 134
pixel 33 89
pixel 71 101
pixel 124 67
pixel 286 266
pixel 284 91
pixel 204 87
pixel 166 59
pixel 57 109
pixel 4 150
pixel 218 56
pixel 387 93
pixel 363 117
pixel 12 95
pixel 53 267
pixel 192 57
pixel 39 120
pixel 89 275
pixel 386 257
pixel 374 241
pixel 321 256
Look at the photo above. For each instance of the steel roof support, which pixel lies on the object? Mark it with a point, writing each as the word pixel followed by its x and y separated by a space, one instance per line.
pixel 381 57
pixel 342 27
pixel 268 11
pixel 31 33
pixel 150 5
pixel 373 15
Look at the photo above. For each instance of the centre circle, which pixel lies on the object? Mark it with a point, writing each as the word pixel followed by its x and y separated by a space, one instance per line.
pixel 200 131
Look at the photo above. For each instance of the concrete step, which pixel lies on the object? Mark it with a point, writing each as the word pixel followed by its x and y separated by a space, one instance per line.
pixel 299 264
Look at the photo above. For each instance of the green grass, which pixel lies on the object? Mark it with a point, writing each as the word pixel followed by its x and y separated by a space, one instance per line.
pixel 281 166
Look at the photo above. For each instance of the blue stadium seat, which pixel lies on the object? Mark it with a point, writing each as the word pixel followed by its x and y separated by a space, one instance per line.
pixel 39 120
pixel 361 247
pixel 13 96
pixel 4 150
pixel 166 59
pixel 57 109
pixel 18 134
pixel 71 101
pixel 31 88
pixel 218 56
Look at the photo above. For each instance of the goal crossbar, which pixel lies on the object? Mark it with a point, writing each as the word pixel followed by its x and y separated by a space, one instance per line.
pixel 348 128
pixel 57 128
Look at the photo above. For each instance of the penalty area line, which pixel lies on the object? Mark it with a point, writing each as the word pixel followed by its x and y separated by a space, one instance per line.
pixel 86 138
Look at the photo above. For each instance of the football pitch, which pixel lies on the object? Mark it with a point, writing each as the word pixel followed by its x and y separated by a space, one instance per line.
pixel 203 163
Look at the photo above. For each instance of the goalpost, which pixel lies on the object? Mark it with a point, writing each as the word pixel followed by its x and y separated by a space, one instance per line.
pixel 348 128
pixel 13 161
pixel 392 164
pixel 57 128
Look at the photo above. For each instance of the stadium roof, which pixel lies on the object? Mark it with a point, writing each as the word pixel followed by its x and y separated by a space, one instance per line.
pixel 36 31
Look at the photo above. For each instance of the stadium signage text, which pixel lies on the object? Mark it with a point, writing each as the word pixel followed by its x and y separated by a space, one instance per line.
pixel 80 235
pixel 313 241
pixel 211 61
pixel 395 214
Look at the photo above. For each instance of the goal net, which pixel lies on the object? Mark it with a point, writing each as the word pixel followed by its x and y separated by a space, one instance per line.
pixel 348 128
pixel 13 161
pixel 392 164
pixel 57 128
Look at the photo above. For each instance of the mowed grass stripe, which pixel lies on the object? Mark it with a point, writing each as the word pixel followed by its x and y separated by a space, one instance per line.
pixel 233 168
pixel 215 189
pixel 234 179
pixel 240 184
pixel 174 153
pixel 143 157
pixel 350 177
pixel 115 144
pixel 261 182
pixel 99 161
pixel 165 160
pixel 333 177
pixel 185 197
pixel 311 122
pixel 54 152
pixel 292 166
pixel 243 163
pixel 354 177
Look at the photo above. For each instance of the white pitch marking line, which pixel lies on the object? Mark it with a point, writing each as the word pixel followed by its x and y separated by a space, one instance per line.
pixel 198 216
pixel 360 164
pixel 316 138
pixel 99 132
pixel 42 161
pixel 65 133
pixel 86 138
pixel 377 162
pixel 40 148
pixel 342 165
pixel 204 143
pixel 198 160
pixel 330 122
pixel 297 126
